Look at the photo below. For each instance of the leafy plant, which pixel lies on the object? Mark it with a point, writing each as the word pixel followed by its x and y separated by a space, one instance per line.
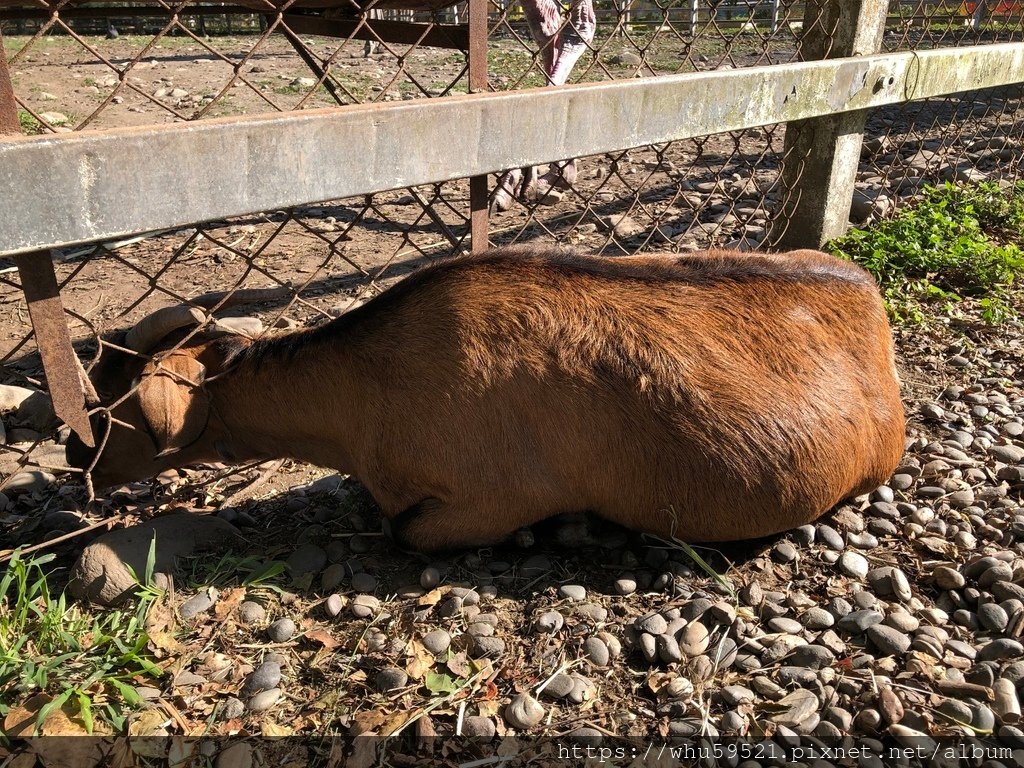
pixel 29 125
pixel 956 244
pixel 50 647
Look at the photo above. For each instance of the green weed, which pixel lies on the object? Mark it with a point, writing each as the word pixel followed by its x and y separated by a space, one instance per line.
pixel 957 243
pixel 48 646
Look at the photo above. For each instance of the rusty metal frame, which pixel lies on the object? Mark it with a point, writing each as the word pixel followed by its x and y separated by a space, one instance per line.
pixel 46 311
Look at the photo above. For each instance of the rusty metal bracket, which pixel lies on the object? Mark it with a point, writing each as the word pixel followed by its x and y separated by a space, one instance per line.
pixel 39 283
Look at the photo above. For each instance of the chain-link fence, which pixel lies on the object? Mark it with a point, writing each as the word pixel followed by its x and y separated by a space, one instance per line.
pixel 137 69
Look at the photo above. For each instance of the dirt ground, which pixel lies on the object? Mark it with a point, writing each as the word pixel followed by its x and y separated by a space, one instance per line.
pixel 709 191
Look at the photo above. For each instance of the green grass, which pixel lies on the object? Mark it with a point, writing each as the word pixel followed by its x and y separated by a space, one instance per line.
pixel 958 243
pixel 29 125
pixel 87 665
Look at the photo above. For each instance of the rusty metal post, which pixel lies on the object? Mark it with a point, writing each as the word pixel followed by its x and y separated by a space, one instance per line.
pixel 823 154
pixel 478 215
pixel 39 282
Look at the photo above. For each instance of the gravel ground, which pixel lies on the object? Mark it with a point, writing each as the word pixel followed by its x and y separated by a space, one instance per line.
pixel 894 622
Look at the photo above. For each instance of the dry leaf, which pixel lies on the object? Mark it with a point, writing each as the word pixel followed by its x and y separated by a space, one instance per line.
pixel 229 600
pixel 488 708
pixel 164 644
pixel 270 728
pixel 433 597
pixel 421 662
pixel 160 616
pixel 378 722
pixel 459 665
pixel 325 638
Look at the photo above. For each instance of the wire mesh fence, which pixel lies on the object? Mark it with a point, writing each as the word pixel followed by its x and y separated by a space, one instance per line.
pixel 164 66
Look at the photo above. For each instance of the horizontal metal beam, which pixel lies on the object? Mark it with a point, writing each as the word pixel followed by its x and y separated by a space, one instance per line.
pixel 409 32
pixel 72 188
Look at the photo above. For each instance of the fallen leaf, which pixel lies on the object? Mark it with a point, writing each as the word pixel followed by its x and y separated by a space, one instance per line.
pixel 459 665
pixel 421 662
pixel 325 638
pixel 164 644
pixel 270 728
pixel 433 597
pixel 489 707
pixel 229 600
pixel 378 722
pixel 794 709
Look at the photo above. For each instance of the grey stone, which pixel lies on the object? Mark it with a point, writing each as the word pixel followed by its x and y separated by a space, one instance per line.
pixel 524 712
pixel 391 678
pixel 853 565
pixel 334 605
pixel 281 631
pixel 101 573
pixel 309 558
pixel 437 642
pixel 993 617
pixel 572 592
pixel 266 676
pixel 477 727
pixel 265 700
pixel 858 621
pixel 817 618
pixel 363 582
pixel 812 657
pixel 596 651
pixel 653 623
pixel 550 622
pixel 889 641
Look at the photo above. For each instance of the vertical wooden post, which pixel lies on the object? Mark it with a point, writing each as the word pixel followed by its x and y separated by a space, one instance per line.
pixel 478 218
pixel 822 155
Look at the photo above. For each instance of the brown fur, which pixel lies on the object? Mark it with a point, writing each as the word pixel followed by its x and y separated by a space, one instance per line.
pixel 712 396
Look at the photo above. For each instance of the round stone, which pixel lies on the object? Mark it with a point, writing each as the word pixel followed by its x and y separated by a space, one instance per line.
pixel 694 639
pixel 524 712
pixel 830 537
pixel 265 700
pixel 333 605
pixel 888 640
pixel 363 582
pixel 364 606
pixel 233 709
pixel 391 678
pixel 281 631
pixel 653 623
pixel 266 676
pixel 817 619
pixel 993 617
pixel 596 651
pixel 853 565
pixel 550 622
pixel 437 642
pixel 573 592
pixel 477 727
pixel 668 649
pixel 251 612
pixel 430 578
pixel 625 585
pixel 309 558
pixel 784 552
